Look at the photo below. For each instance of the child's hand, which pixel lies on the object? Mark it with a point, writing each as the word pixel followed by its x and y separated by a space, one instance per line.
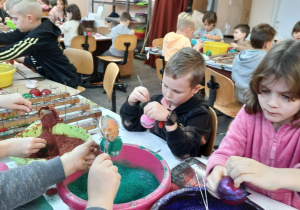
pixel 24 147
pixel 103 182
pixel 80 158
pixel 7 18
pixel 242 169
pixel 58 23
pixel 0 19
pixel 234 45
pixel 214 178
pixel 207 36
pixel 155 110
pixel 16 102
pixel 199 45
pixel 139 94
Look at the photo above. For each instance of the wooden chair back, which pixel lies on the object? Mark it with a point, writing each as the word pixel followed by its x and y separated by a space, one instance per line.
pixel 159 66
pixel 225 101
pixel 125 38
pixel 208 147
pixel 78 41
pixel 157 42
pixel 111 73
pixel 45 14
pixel 81 59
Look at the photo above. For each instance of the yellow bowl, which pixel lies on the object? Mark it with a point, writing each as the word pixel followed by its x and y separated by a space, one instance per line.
pixel 215 48
pixel 6 74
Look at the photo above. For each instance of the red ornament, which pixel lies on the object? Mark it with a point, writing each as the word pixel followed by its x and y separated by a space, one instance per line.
pixel 35 92
pixel 46 92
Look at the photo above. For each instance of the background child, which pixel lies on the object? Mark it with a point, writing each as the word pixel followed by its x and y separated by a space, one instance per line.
pixel 122 28
pixel 72 27
pixel 262 37
pixel 3 14
pixel 181 115
pixel 36 38
pixel 209 31
pixel 58 13
pixel 241 31
pixel 45 5
pixel 32 180
pixel 296 31
pixel 262 146
pixel 182 38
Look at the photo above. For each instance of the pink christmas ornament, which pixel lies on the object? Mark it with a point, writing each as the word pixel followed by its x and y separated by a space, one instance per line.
pixel 146 122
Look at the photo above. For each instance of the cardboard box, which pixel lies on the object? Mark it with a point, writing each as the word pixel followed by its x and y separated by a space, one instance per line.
pixel 232 13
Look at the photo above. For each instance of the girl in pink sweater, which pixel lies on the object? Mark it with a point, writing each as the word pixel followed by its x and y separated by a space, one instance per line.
pixel 58 13
pixel 262 147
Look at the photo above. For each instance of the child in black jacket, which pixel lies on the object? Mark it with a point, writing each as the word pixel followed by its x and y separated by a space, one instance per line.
pixel 182 117
pixel 37 38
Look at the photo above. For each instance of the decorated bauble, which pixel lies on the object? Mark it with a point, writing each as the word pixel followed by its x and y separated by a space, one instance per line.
pixel 147 122
pixel 229 194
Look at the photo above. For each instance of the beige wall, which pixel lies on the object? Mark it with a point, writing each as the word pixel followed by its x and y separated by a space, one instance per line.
pixel 82 4
pixel 261 12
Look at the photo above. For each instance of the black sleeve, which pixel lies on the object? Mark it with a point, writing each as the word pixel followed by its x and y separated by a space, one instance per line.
pixel 17 45
pixel 3 14
pixel 130 116
pixel 185 141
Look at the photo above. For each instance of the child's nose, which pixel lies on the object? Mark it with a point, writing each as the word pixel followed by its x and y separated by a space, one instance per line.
pixel 273 101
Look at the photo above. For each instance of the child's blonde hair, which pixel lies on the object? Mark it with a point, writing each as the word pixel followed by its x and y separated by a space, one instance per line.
pixel 186 61
pixel 282 61
pixel 24 7
pixel 185 21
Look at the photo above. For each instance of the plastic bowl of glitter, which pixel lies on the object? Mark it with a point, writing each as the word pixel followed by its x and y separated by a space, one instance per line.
pixel 190 198
pixel 135 157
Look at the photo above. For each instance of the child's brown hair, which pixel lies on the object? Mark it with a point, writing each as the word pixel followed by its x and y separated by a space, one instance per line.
pixel 210 17
pixel 261 34
pixel 186 61
pixel 76 15
pixel 244 28
pixel 296 27
pixel 282 61
pixel 125 16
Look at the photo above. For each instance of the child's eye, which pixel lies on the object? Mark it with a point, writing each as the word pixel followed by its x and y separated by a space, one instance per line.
pixel 286 97
pixel 264 91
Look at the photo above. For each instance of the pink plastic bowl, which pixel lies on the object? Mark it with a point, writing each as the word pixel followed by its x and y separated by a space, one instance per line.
pixel 137 156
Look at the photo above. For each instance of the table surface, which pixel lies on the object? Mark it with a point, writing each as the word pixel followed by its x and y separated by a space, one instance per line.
pixel 155 144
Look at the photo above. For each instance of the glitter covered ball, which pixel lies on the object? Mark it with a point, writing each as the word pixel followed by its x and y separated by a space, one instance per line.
pixel 114 147
pixel 229 194
pixel 3 167
pixel 146 122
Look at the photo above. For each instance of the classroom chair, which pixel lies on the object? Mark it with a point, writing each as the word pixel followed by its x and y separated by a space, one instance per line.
pixel 109 83
pixel 126 43
pixel 219 90
pixel 87 43
pixel 209 146
pixel 83 62
pixel 159 62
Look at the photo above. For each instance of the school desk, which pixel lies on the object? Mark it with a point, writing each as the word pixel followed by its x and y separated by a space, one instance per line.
pixel 159 146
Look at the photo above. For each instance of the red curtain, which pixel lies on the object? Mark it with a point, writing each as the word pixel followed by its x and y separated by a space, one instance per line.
pixel 164 20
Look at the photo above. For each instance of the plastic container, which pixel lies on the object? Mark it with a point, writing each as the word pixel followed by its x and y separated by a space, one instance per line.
pixel 215 48
pixel 140 17
pixel 137 157
pixel 10 24
pixel 190 198
pixel 6 74
pixel 139 32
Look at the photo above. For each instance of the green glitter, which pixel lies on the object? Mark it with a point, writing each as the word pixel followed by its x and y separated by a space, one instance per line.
pixel 114 148
pixel 79 187
pixel 136 183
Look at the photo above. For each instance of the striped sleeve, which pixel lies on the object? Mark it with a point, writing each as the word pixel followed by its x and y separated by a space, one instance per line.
pixel 18 49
